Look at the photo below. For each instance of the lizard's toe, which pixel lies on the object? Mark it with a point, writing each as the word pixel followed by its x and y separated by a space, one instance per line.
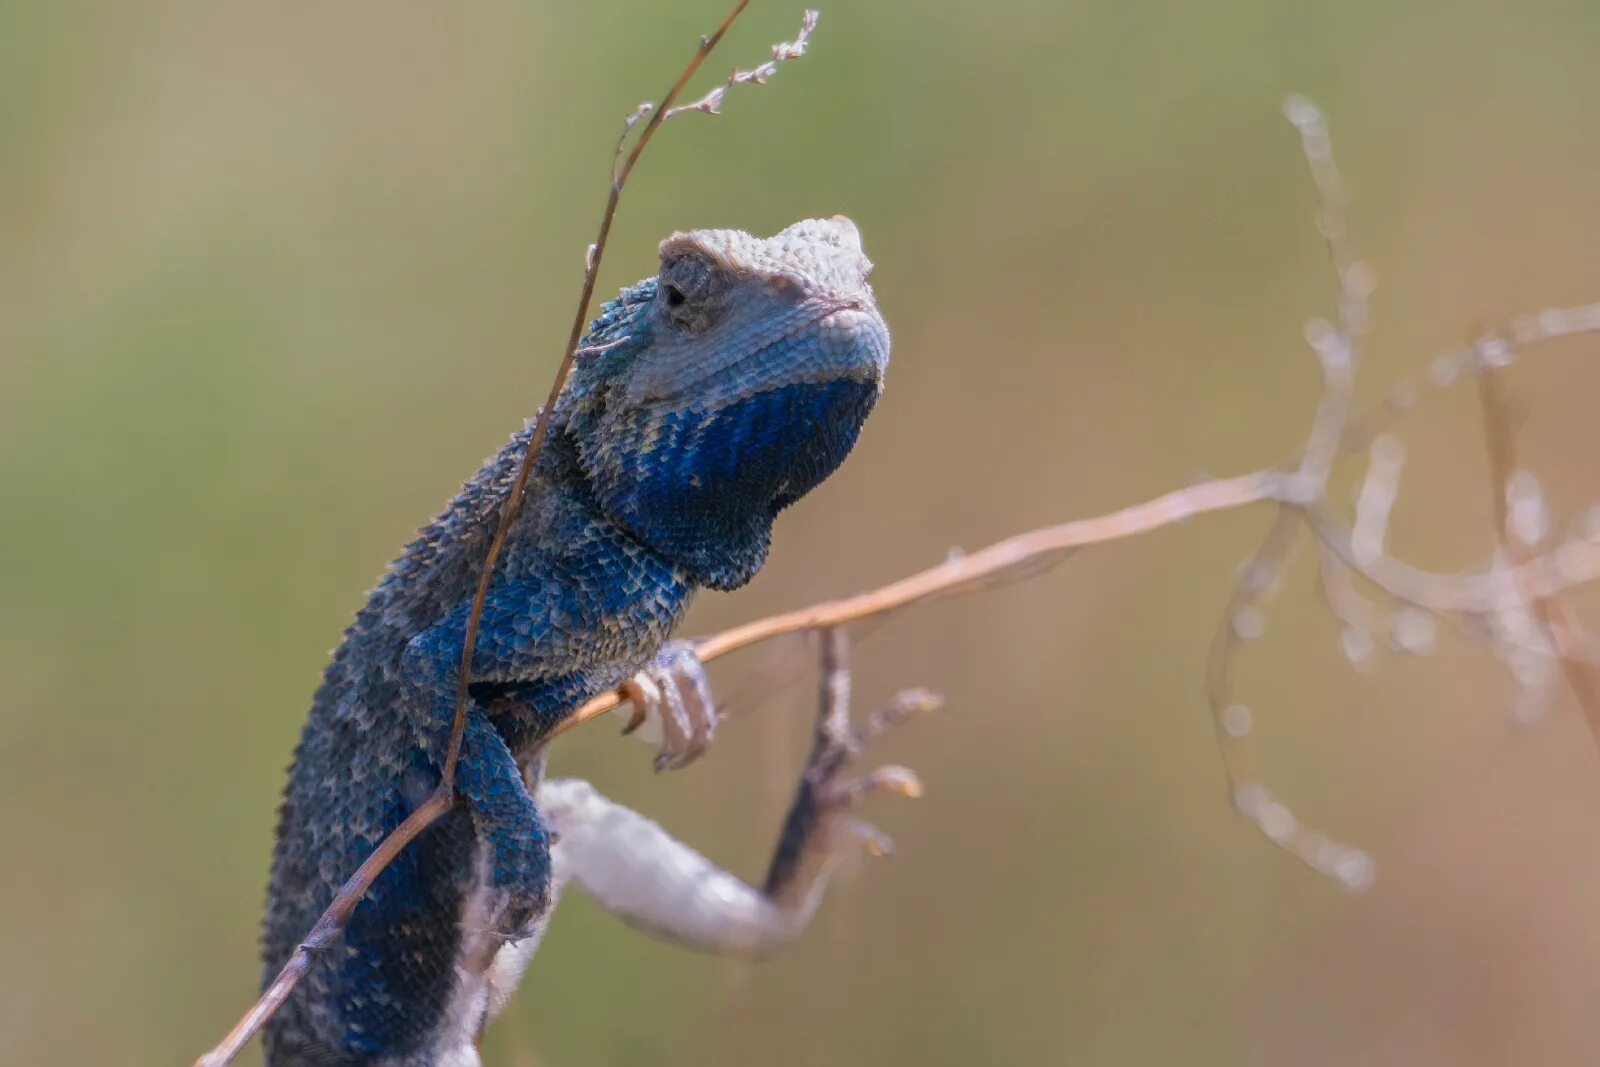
pixel 906 704
pixel 644 696
pixel 894 778
pixel 847 833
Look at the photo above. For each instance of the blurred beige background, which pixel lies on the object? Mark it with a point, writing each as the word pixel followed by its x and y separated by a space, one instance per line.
pixel 273 279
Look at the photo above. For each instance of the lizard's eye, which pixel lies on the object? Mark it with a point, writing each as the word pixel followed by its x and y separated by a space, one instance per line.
pixel 691 291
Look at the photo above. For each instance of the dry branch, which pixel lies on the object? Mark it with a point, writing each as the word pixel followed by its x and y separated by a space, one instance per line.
pixel 1012 559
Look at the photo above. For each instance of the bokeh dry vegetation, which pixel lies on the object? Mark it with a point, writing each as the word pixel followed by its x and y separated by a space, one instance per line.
pixel 273 279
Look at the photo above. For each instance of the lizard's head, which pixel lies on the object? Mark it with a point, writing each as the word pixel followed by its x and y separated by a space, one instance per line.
pixel 724 389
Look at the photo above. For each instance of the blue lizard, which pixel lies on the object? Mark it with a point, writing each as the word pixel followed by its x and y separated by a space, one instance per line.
pixel 707 399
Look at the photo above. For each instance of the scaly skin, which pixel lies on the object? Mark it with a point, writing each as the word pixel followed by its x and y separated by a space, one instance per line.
pixel 715 395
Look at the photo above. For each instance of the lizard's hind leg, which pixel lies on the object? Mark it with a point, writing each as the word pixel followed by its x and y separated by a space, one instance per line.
pixel 637 871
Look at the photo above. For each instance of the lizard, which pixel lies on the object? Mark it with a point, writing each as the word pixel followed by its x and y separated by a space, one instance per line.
pixel 704 401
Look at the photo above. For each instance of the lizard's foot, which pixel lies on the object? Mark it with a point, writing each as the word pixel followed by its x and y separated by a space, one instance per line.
pixel 821 827
pixel 515 843
pixel 520 898
pixel 839 744
pixel 519 883
pixel 673 706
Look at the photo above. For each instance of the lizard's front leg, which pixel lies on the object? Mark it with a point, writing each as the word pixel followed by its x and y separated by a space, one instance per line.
pixel 549 639
pixel 507 824
pixel 528 646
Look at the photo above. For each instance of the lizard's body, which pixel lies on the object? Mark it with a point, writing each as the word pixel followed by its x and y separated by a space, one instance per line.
pixel 708 400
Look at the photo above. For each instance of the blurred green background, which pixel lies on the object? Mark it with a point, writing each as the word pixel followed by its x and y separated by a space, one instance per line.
pixel 274 278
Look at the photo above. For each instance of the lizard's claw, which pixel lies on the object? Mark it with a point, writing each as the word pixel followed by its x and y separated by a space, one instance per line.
pixel 894 778
pixel 673 706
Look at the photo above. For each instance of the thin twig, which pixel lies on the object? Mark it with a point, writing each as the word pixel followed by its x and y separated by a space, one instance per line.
pixel 1234 722
pixel 1492 352
pixel 1337 346
pixel 1562 627
pixel 1476 592
pixel 711 103
pixel 1358 615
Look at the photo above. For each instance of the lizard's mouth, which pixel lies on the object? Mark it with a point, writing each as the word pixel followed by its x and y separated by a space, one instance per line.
pixel 845 340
